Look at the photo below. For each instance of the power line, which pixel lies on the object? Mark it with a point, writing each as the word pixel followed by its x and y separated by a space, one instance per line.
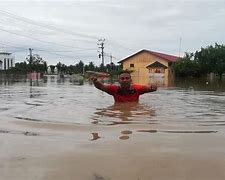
pixel 26 47
pixel 49 51
pixel 121 46
pixel 14 47
pixel 60 55
pixel 37 39
pixel 88 49
pixel 54 28
pixel 53 52
pixel 110 55
pixel 27 20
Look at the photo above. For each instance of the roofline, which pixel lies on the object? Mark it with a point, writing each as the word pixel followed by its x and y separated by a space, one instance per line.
pixel 5 53
pixel 151 52
pixel 164 66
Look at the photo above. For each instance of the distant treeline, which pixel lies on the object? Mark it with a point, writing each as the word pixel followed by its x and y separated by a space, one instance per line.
pixel 208 60
pixel 39 65
pixel 80 68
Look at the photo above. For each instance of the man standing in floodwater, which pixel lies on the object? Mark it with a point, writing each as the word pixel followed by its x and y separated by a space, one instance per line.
pixel 126 91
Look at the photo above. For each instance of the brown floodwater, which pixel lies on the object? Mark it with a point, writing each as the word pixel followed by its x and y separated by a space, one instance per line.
pixel 63 129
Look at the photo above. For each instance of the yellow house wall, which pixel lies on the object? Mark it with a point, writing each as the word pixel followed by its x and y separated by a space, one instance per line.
pixel 141 61
pixel 141 73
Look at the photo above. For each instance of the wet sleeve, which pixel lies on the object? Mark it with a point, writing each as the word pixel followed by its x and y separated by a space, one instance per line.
pixel 111 89
pixel 140 89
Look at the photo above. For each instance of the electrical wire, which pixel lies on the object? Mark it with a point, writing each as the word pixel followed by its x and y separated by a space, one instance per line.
pixel 27 20
pixel 43 41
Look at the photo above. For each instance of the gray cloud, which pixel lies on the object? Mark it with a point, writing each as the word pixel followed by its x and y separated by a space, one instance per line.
pixel 68 31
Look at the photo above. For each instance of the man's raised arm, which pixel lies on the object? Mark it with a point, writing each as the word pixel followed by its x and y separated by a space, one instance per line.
pixel 150 88
pixel 98 84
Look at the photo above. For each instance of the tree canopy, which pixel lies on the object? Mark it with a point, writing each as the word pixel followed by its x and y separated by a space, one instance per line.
pixel 207 60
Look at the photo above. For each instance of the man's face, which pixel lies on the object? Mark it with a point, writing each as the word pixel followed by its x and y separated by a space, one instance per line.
pixel 125 80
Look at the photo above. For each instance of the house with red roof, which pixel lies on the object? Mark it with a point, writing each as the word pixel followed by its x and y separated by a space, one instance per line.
pixel 150 64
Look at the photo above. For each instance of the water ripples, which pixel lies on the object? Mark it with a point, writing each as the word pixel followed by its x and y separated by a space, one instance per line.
pixel 170 110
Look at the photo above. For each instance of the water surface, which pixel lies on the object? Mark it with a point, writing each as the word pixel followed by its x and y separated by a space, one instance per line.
pixel 184 104
pixel 62 129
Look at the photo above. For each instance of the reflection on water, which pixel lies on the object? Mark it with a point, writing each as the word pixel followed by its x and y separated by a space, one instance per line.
pixel 124 137
pixel 95 136
pixel 187 106
pixel 125 134
pixel 26 133
pixel 176 131
pixel 201 84
pixel 148 130
pixel 159 81
pixel 80 129
pixel 124 113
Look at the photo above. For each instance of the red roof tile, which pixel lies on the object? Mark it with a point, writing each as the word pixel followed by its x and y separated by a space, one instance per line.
pixel 167 57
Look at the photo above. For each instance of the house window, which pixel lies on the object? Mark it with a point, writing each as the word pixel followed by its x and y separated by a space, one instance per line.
pixel 131 65
pixel 157 70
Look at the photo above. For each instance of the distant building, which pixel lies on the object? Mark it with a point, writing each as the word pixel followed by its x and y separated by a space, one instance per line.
pixel 149 64
pixel 6 60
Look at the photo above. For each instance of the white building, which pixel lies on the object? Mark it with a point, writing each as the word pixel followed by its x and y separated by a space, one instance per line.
pixel 6 60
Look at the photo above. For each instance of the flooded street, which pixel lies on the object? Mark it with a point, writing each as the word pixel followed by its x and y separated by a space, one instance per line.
pixel 56 129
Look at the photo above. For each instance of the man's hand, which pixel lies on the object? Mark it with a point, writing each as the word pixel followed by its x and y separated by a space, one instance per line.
pixel 98 84
pixel 93 79
pixel 153 87
pixel 150 88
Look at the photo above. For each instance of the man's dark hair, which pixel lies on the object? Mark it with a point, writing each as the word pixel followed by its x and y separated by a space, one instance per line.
pixel 124 71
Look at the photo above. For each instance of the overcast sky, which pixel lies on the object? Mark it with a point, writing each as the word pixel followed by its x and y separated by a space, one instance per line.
pixel 68 31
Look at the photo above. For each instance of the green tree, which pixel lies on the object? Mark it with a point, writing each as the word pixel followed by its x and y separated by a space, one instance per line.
pixel 79 67
pixel 186 66
pixel 52 67
pixel 59 67
pixel 211 59
pixel 36 63
pixel 91 66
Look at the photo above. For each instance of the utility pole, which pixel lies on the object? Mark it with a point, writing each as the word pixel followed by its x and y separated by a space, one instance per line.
pixel 101 44
pixel 111 63
pixel 30 75
pixel 31 58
